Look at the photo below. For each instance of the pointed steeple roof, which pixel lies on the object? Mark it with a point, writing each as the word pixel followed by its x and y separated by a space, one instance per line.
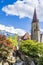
pixel 35 16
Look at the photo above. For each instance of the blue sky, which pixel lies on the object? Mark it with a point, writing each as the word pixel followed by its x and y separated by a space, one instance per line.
pixel 15 13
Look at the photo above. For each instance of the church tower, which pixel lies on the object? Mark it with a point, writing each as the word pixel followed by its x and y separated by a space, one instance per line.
pixel 35 30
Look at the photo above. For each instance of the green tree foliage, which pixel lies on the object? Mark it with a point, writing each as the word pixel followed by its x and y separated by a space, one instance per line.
pixel 14 40
pixel 31 48
pixel 40 48
pixel 40 62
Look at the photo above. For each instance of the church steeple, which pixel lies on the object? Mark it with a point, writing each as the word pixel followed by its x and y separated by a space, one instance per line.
pixel 35 30
pixel 35 16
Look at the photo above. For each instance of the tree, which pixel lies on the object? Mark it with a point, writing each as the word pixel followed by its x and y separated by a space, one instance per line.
pixel 29 47
pixel 40 62
pixel 5 47
pixel 32 49
pixel 14 40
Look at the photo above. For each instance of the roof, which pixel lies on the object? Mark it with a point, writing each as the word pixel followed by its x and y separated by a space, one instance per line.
pixel 26 36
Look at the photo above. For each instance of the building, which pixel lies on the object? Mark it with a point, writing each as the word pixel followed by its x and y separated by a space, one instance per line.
pixel 35 29
pixel 27 36
pixel 41 37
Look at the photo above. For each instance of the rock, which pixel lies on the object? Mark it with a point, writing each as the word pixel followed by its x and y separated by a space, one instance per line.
pixel 32 63
pixel 28 61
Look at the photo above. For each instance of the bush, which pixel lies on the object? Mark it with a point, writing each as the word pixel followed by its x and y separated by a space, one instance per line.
pixel 32 49
pixel 29 47
pixel 40 62
pixel 5 47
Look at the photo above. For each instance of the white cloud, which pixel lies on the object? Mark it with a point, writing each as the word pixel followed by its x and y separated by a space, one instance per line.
pixel 25 8
pixel 41 30
pixel 20 32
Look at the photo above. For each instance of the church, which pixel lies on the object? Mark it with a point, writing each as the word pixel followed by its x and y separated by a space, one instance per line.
pixel 35 29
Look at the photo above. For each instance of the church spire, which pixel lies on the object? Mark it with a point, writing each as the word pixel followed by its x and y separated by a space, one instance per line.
pixel 35 30
pixel 35 16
